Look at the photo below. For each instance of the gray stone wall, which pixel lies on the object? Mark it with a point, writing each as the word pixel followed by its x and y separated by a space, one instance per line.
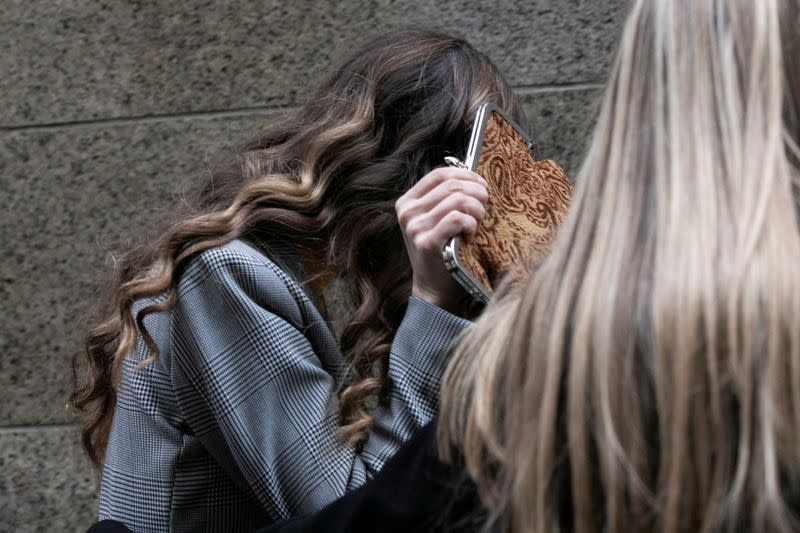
pixel 107 108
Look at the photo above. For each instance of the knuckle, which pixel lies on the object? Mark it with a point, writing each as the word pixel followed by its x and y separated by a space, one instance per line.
pixel 464 202
pixel 405 212
pixel 454 217
pixel 466 221
pixel 455 187
pixel 422 243
pixel 412 227
pixel 437 174
pixel 402 217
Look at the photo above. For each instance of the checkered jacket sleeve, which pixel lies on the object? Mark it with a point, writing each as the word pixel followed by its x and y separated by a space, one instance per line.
pixel 258 390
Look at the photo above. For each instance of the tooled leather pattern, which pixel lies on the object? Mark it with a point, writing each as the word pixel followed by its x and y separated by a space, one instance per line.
pixel 528 201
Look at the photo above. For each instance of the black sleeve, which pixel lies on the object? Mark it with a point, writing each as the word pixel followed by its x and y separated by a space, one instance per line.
pixel 413 492
pixel 108 526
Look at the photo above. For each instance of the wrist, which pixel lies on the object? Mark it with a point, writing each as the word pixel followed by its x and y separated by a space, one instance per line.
pixel 435 298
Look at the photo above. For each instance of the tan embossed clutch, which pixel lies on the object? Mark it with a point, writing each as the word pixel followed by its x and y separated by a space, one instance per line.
pixel 528 201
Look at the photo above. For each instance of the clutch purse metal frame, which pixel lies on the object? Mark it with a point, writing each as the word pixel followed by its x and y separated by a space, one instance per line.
pixel 450 252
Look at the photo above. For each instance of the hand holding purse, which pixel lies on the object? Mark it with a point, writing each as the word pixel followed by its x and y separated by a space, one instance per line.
pixel 528 202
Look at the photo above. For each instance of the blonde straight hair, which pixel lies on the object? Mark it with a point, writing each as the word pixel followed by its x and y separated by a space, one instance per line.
pixel 647 378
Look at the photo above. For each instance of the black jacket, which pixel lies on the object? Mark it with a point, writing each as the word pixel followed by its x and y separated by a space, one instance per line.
pixel 413 492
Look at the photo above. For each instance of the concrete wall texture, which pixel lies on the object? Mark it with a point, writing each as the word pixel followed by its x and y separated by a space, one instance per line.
pixel 107 107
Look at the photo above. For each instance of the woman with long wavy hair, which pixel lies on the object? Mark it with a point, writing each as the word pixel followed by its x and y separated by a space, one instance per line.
pixel 217 396
pixel 647 378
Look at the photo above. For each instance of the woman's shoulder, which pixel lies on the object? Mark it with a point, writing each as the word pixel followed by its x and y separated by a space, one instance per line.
pixel 239 258
pixel 242 268
pixel 237 254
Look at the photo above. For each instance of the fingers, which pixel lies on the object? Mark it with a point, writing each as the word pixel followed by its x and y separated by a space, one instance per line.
pixel 454 223
pixel 421 219
pixel 445 202
pixel 438 176
pixel 459 192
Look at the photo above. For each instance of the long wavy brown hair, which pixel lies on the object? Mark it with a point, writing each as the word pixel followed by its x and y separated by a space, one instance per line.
pixel 324 178
pixel 647 377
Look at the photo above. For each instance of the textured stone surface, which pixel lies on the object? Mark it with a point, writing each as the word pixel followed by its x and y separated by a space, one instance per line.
pixel 70 194
pixel 46 482
pixel 89 59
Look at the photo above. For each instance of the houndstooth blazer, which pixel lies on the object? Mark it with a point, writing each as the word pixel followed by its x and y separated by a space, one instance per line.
pixel 233 426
